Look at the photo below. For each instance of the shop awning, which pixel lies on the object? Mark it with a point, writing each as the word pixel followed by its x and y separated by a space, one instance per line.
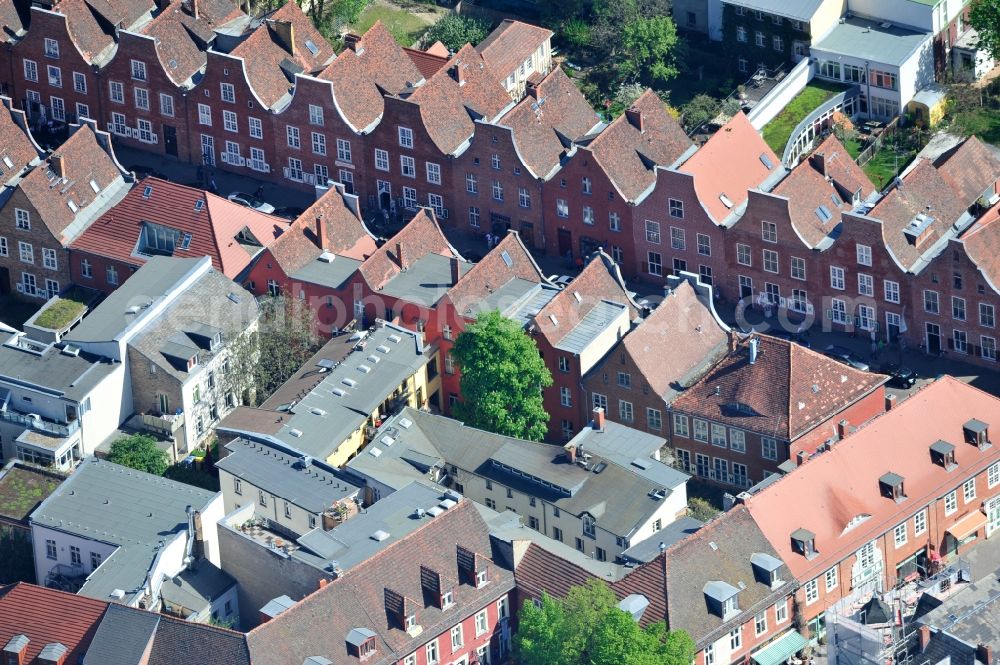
pixel 781 649
pixel 969 524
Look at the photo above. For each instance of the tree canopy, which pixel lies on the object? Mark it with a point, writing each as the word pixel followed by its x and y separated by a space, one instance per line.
pixel 588 628
pixel 984 16
pixel 139 451
pixel 455 31
pixel 502 378
pixel 648 46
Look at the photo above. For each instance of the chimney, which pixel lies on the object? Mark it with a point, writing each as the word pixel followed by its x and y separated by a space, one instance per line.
pixel 401 256
pixel 842 429
pixel 455 270
pixel 890 401
pixel 58 164
pixel 531 88
pixel 323 582
pixel 320 239
pixel 634 116
pixel 801 457
pixel 194 8
pixel 598 419
pixel 285 32
pixel 753 349
pixel 984 654
pixel 457 72
pixel 819 163
pixel 353 42
pixel 924 637
pixel 734 341
pixel 571 454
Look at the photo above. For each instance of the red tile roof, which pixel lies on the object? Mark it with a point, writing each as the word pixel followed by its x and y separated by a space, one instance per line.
pixel 360 75
pixel 87 33
pixel 728 164
pixel 83 160
pixel 628 154
pixel 16 144
pixel 599 280
pixel 543 123
pixel 213 227
pixel 788 391
pixel 420 237
pixel 266 58
pixel 982 244
pixel 970 168
pixel 46 616
pixel 427 63
pixel 179 35
pixel 446 103
pixel 510 44
pixel 490 274
pixel 12 20
pixel 344 234
pixel 826 493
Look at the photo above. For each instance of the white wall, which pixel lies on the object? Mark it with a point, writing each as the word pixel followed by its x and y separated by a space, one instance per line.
pixel 168 562
pixel 825 18
pixel 781 95
pixel 901 12
pixel 604 341
pixel 110 406
pixel 916 73
pixel 43 564
pixel 210 516
pixel 666 513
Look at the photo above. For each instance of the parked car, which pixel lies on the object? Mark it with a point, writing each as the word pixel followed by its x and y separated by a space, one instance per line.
pixel 846 356
pixel 289 212
pixel 899 377
pixel 251 201
pixel 562 281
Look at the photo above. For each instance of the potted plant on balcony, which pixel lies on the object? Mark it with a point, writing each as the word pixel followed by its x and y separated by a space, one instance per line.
pixel 340 511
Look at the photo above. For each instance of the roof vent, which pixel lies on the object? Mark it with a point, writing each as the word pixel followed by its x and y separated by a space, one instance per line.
pixel 350 383
pixel 375 452
pixel 70 350
pixel 434 511
pixel 316 411
pixel 405 423
pixel 446 504
pixel 118 594
pixel 726 201
pixel 373 359
pixel 382 348
pixel 364 368
pixel 339 392
pixel 395 339
pixel 380 535
pixel 297 433
pixel 387 440
pixel 327 257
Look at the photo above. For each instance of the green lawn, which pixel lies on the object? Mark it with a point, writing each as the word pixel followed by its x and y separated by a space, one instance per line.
pixel 886 163
pixel 60 313
pixel 983 122
pixel 779 130
pixel 405 26
pixel 22 490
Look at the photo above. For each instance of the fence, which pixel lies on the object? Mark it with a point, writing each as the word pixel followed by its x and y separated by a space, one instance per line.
pixel 868 153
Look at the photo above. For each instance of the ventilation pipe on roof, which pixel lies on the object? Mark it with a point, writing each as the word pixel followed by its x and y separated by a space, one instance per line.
pixel 320 240
pixel 753 349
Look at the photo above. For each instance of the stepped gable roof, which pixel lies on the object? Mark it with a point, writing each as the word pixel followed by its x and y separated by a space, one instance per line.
pixel 510 44
pixel 627 153
pixel 46 616
pixel 820 188
pixel 787 391
pixel 67 179
pixel 362 73
pixel 182 39
pixel 218 228
pixel 459 92
pixel 838 496
pixel 343 234
pixel 419 238
pixel 355 602
pixel 550 116
pixel 600 280
pixel 270 64
pixel 732 161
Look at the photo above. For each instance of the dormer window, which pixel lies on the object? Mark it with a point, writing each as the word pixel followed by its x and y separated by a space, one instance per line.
pixel 943 454
pixel 447 600
pixel 192 362
pixel 977 433
pixel 216 341
pixel 804 543
pixel 767 569
pixel 411 622
pixel 722 599
pixel 482 577
pixel 361 643
pixel 891 487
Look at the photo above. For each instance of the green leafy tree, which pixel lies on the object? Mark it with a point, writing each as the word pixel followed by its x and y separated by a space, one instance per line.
pixel 455 31
pixel 701 509
pixel 587 627
pixel 984 16
pixel 17 556
pixel 607 35
pixel 139 451
pixel 648 46
pixel 698 111
pixel 576 33
pixel 349 11
pixel 502 378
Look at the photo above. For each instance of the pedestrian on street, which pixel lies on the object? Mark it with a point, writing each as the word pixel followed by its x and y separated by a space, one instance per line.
pixel 212 187
pixel 489 241
pixel 260 192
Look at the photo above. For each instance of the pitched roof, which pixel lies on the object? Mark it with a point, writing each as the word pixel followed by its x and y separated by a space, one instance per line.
pixel 182 39
pixel 627 154
pixel 123 12
pixel 732 161
pixel 969 168
pixel 319 624
pixel 510 44
pixel 85 29
pixel 599 281
pixel 219 229
pixel 547 119
pixel 675 343
pixel 982 244
pixel 457 93
pixel 428 63
pixel 55 191
pixel 16 145
pixel 819 189
pixel 786 392
pixel 374 65
pixel 826 493
pixel 422 236
pixel 178 641
pixel 48 616
pixel 270 65
pixel 509 260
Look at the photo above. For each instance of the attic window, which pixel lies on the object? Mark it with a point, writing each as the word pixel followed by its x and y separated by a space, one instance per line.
pixel 411 621
pixel 804 543
pixel 72 205
pixel 186 241
pixel 199 205
pixel 147 191
pixel 766 569
pixel 447 599
pixel 723 599
pixel 312 47
pixel 837 201
pixel 482 577
pixel 361 643
pixel 891 486
pixel 506 258
pixel 943 454
pixel 977 433
pixel 94 186
pixel 192 362
pixel 553 319
pixel 766 161
pixel 824 214
pixel 726 201
pixel 8 162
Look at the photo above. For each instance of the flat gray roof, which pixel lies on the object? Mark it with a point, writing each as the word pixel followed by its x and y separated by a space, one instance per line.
pixel 312 486
pixel 72 376
pixel 972 615
pixel 865 38
pixel 591 326
pixel 197 588
pixel 151 282
pixel 331 274
pixel 800 10
pixel 136 511
pixel 425 281
pixel 671 534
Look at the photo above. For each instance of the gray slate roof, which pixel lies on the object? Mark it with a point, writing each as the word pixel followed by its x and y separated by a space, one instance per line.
pixel 122 637
pixel 155 279
pixel 425 281
pixel 591 326
pixel 618 496
pixel 73 376
pixel 865 38
pixel 312 486
pixel 196 589
pixel 970 617
pixel 333 274
pixel 114 504
pixel 647 550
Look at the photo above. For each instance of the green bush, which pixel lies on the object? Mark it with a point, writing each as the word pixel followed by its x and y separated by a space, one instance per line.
pixel 455 31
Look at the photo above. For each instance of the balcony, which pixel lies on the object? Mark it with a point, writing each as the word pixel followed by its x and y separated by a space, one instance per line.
pixel 166 424
pixel 36 422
